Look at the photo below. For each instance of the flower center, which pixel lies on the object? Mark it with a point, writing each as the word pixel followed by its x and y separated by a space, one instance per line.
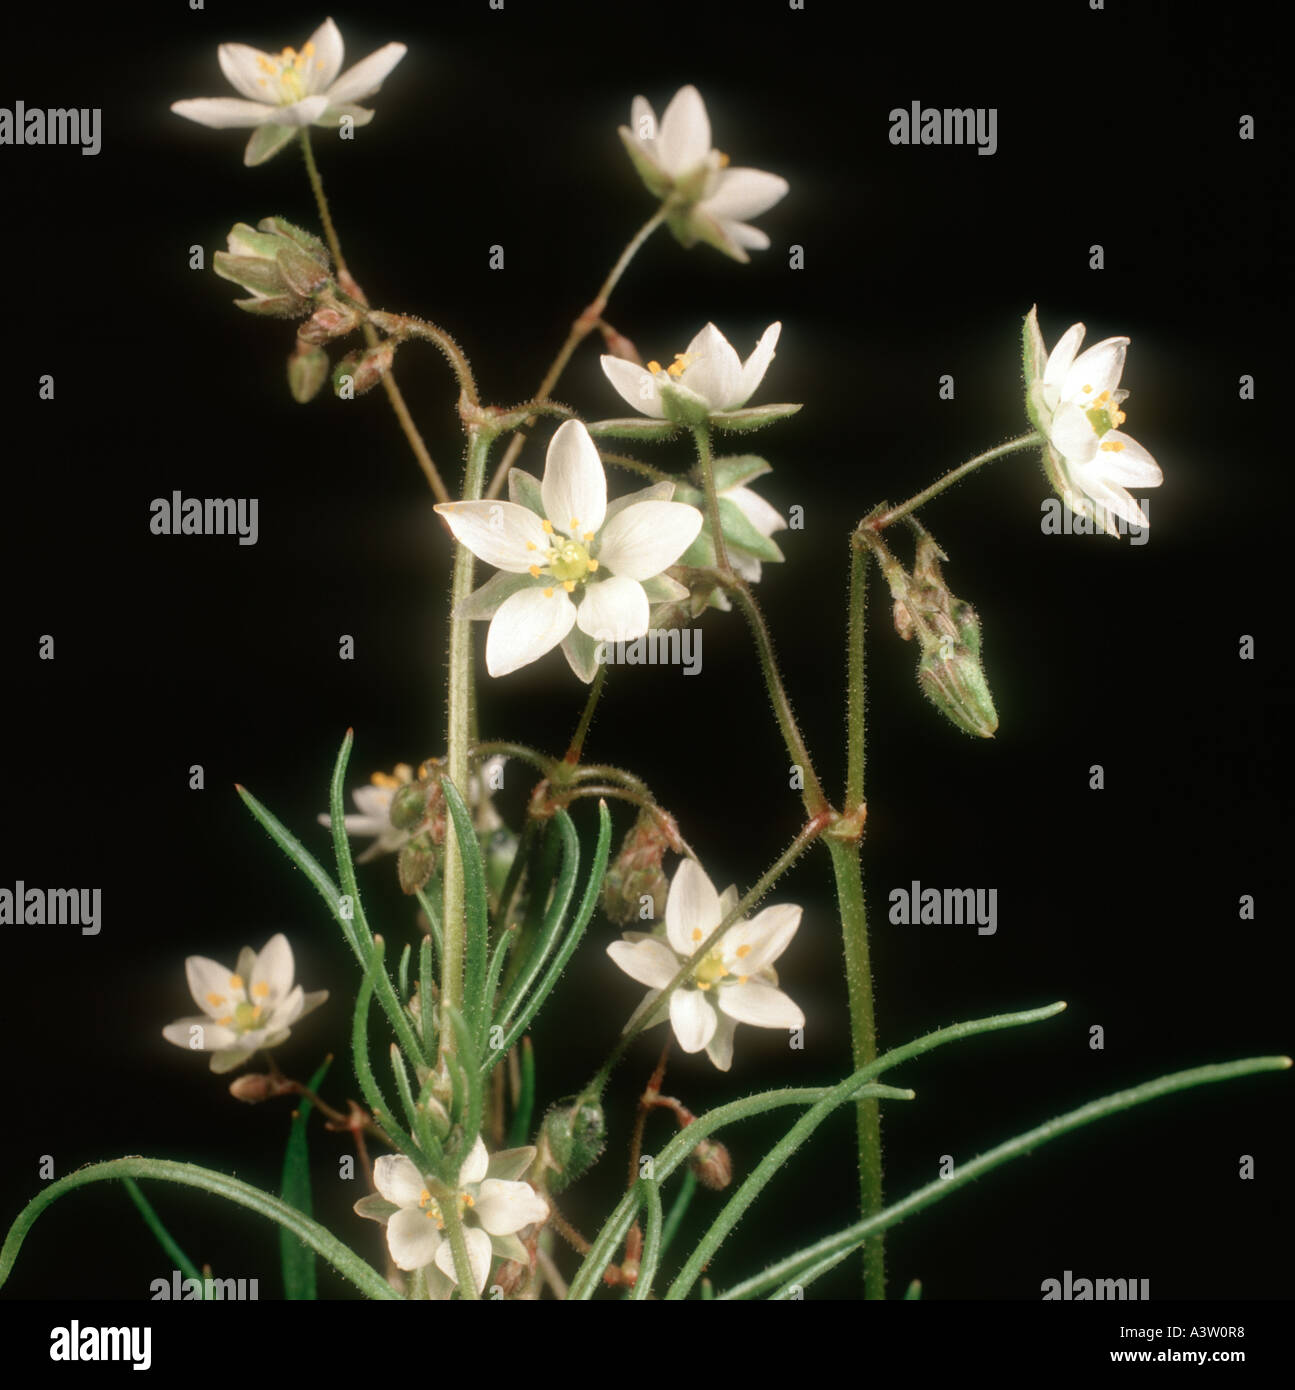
pixel 566 560
pixel 1103 413
pixel 711 971
pixel 682 361
pixel 243 1015
pixel 430 1207
pixel 288 70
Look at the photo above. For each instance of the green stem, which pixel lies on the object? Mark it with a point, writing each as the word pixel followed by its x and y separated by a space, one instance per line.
pixel 462 1265
pixel 701 437
pixel 580 329
pixel 952 476
pixel 586 717
pixel 406 420
pixel 863 1046
pixel 453 921
pixel 856 685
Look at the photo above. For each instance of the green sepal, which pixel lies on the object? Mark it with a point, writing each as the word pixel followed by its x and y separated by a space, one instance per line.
pixel 636 428
pixel 486 601
pixel 735 469
pixel 524 490
pixel 752 417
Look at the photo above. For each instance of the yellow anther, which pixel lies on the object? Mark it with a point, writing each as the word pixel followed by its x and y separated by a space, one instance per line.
pixel 568 585
pixel 654 367
pixel 530 545
pixel 424 1197
pixel 575 523
pixel 256 1011
pixel 1103 398
pixel 696 933
pixel 593 565
pixel 215 1000
pixel 535 571
pixel 742 979
pixel 703 984
pixel 385 780
pixel 404 773
pixel 723 161
pixel 468 1200
pixel 226 1021
pixel 264 63
pixel 308 51
pixel 1087 389
pixel 236 982
pixel 548 526
pixel 1120 417
pixel 682 361
pixel 1113 446
pixel 260 989
pixel 742 952
pixel 589 535
pixel 548 593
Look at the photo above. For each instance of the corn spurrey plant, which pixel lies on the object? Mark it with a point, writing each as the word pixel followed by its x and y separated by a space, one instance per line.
pixel 469 1186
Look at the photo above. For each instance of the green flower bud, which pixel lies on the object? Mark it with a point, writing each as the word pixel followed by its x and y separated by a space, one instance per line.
pixel 636 872
pixel 408 807
pixel 307 371
pixel 365 369
pixel 416 864
pixel 571 1139
pixel 281 265
pixel 711 1165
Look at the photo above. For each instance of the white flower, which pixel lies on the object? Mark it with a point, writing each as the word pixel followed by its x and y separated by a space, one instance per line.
pixel 736 983
pixel 706 200
pixel 1076 403
pixel 280 93
pixel 708 377
pixel 573 562
pixel 374 818
pixel 244 1009
pixel 493 1206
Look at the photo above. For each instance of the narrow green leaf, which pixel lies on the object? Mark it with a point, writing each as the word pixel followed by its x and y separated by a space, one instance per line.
pixel 682 1201
pixel 519 1132
pixel 164 1238
pixel 651 1256
pixel 342 1258
pixel 798 1266
pixel 369 1088
pixel 298 1260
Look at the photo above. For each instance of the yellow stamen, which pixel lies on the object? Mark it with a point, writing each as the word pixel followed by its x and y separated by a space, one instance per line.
pixel 308 51
pixel 468 1200
pixel 548 526
pixel 742 952
pixel 742 979
pixel 575 523
pixel 723 161
pixel 535 571
pixel 589 535
pixel 264 64
pixel 226 1021
pixel 702 984
pixel 261 989
pixel 1103 398
pixel 530 545
pixel 696 933
pixel 548 593
pixel 1087 389
pixel 1113 446
pixel 384 780
pixel 682 361
pixel 236 982
pixel 1120 417
pixel 593 565
pixel 215 1000
pixel 568 585
pixel 654 367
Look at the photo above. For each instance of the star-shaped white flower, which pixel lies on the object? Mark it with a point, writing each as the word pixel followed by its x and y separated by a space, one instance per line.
pixel 572 562
pixel 282 92
pixel 706 200
pixel 1076 402
pixel 252 1006
pixel 709 377
pixel 736 983
pixel 493 1205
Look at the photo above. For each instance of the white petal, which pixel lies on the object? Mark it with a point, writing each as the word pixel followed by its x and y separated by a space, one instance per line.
pixel 502 534
pixel 413 1239
pixel 1072 433
pixel 505 1207
pixel 760 1004
pixel 574 486
pixel 214 1036
pixel 266 142
pixel 642 540
pixel 765 937
pixel 527 625
pixel 211 985
pixel 242 66
pixel 720 1047
pixel 758 512
pixel 643 125
pixel 398 1180
pixel 635 385
pixel 479 1255
pixel 692 1018
pixel 1061 356
pixel 743 193
pixel 1130 466
pixel 285 1011
pixel 223 113
pixel 366 76
pixel 301 113
pixel 650 962
pixel 746 235
pixel 684 138
pixel 1094 371
pixel 273 969
pixel 476 1165
pixel 613 610
pixel 326 61
pixel 1112 501
pixel 756 365
pixel 692 909
pixel 717 374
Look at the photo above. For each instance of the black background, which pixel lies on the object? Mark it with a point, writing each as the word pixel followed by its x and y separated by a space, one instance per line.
pixel 1117 127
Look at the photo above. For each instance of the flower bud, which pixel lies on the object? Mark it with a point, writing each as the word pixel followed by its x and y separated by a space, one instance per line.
pixel 365 369
pixel 332 319
pixel 281 265
pixel 618 345
pixel 415 864
pixel 571 1139
pixel 408 807
pixel 253 1088
pixel 307 371
pixel 636 872
pixel 711 1165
